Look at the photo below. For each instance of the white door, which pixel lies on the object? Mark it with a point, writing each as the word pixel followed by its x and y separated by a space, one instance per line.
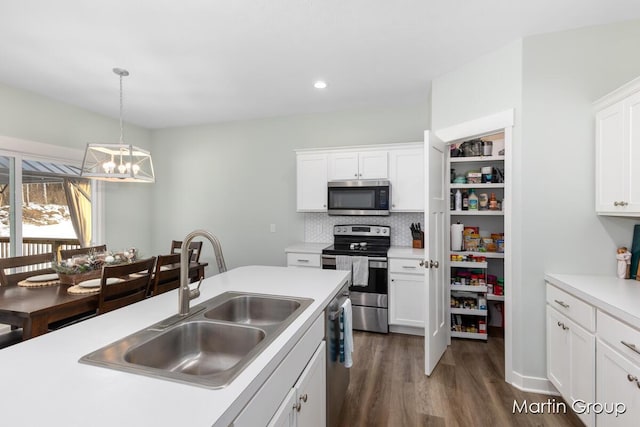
pixel 436 323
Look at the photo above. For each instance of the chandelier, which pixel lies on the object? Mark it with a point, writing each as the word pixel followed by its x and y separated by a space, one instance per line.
pixel 118 162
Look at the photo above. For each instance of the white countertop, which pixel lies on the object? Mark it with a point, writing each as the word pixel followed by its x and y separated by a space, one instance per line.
pixel 309 248
pixel 405 252
pixel 618 297
pixel 45 385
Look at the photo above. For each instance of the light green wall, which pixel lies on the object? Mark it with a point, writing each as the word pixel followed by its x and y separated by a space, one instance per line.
pixel 551 80
pixel 564 73
pixel 235 179
pixel 32 117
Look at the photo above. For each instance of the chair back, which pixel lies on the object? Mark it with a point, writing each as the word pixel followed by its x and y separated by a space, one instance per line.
pixel 167 274
pixel 70 253
pixel 15 269
pixel 134 287
pixel 196 247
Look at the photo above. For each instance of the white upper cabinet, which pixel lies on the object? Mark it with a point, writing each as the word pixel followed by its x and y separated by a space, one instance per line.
pixel 406 174
pixel 618 152
pixel 311 182
pixel 358 165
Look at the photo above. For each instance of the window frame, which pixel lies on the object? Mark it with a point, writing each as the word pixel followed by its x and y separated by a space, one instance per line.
pixel 19 150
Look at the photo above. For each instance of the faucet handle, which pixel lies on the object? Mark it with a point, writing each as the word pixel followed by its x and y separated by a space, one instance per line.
pixel 195 293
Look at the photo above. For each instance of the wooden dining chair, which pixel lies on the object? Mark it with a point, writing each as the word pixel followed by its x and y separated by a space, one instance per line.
pixel 196 247
pixel 134 287
pixel 15 269
pixel 70 253
pixel 167 274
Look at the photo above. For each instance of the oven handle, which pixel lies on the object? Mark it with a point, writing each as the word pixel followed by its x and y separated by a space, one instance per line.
pixel 381 259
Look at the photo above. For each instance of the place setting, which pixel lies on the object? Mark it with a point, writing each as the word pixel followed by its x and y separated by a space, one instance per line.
pixel 40 281
pixel 90 286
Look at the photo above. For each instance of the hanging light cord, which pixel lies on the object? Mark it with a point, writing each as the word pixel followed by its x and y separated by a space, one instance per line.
pixel 121 107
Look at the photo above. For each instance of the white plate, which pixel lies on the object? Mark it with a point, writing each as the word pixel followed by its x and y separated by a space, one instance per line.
pixel 95 283
pixel 43 277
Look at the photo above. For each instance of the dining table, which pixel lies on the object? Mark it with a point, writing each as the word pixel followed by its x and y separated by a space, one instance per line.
pixel 34 308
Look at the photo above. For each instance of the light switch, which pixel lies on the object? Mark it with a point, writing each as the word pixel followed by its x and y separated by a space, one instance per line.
pixel 272 227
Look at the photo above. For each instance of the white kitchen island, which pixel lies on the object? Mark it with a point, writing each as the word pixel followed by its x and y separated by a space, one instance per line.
pixel 43 383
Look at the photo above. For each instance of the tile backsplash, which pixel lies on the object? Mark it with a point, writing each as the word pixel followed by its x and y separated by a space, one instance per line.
pixel 318 227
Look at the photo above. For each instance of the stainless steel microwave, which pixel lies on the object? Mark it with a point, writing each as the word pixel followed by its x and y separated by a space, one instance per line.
pixel 359 197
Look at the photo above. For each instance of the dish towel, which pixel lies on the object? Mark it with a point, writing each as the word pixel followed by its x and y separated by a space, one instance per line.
pixel 360 270
pixel 343 262
pixel 346 334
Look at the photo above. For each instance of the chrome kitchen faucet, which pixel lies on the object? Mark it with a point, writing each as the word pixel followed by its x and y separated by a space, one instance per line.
pixel 185 293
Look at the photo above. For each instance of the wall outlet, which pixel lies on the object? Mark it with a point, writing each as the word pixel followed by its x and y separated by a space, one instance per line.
pixel 272 228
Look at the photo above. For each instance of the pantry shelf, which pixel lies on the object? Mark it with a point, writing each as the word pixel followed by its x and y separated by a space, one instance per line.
pixel 492 297
pixel 477 186
pixel 477 159
pixel 468 311
pixel 478 213
pixel 467 288
pixel 484 254
pixel 468 264
pixel 469 335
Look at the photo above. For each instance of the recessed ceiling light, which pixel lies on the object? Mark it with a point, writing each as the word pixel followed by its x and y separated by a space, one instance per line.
pixel 320 84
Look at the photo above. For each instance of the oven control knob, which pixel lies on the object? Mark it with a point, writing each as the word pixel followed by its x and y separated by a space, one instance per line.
pixel 378 230
pixel 384 231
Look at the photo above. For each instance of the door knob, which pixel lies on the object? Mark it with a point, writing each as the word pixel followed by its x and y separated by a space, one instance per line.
pixel 434 264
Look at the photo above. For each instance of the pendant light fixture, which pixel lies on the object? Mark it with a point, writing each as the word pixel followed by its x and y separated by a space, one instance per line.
pixel 118 162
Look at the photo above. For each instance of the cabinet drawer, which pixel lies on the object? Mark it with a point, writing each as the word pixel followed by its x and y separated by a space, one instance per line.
pixel 572 307
pixel 405 265
pixel 620 336
pixel 295 259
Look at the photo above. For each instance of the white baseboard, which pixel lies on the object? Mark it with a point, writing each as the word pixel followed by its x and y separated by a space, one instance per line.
pixel 533 384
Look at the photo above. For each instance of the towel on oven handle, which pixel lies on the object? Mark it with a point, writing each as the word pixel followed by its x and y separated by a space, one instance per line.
pixel 343 262
pixel 360 268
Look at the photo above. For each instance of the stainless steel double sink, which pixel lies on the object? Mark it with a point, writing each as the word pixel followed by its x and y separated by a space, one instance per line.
pixel 210 346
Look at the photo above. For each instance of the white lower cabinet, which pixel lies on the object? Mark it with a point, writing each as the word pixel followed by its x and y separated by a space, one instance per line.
pixel 571 353
pixel 618 388
pixel 305 404
pixel 406 292
pixel 299 259
pixel 295 393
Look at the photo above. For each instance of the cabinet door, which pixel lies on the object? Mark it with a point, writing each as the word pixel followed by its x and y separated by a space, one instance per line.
pixel 632 180
pixel 343 165
pixel 312 182
pixel 557 351
pixel 617 382
pixel 311 391
pixel 373 165
pixel 611 152
pixel 406 300
pixel 285 415
pixel 571 364
pixel 406 174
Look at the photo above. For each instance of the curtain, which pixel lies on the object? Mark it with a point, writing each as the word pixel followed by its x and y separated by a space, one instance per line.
pixel 79 201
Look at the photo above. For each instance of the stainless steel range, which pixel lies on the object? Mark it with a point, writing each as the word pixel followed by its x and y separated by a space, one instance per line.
pixel 363 246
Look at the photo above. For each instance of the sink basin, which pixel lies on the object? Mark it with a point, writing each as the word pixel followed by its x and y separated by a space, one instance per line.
pixel 197 348
pixel 254 310
pixel 209 347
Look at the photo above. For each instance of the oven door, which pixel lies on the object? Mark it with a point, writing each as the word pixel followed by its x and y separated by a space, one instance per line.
pixel 378 281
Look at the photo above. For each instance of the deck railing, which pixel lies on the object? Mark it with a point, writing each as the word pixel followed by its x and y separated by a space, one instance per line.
pixel 38 245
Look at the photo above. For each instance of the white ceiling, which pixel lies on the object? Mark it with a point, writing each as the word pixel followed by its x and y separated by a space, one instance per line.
pixel 199 61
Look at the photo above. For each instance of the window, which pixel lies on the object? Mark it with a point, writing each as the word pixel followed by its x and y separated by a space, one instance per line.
pixel 55 206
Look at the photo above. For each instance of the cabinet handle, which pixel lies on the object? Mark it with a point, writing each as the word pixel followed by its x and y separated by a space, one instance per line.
pixel 304 398
pixel 630 346
pixel 297 406
pixel 303 260
pixel 409 266
pixel 564 328
pixel 421 264
pixel 632 378
pixel 620 203
pixel 616 203
pixel 356 175
pixel 562 303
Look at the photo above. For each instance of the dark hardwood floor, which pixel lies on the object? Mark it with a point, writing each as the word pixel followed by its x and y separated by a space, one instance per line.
pixel 467 388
